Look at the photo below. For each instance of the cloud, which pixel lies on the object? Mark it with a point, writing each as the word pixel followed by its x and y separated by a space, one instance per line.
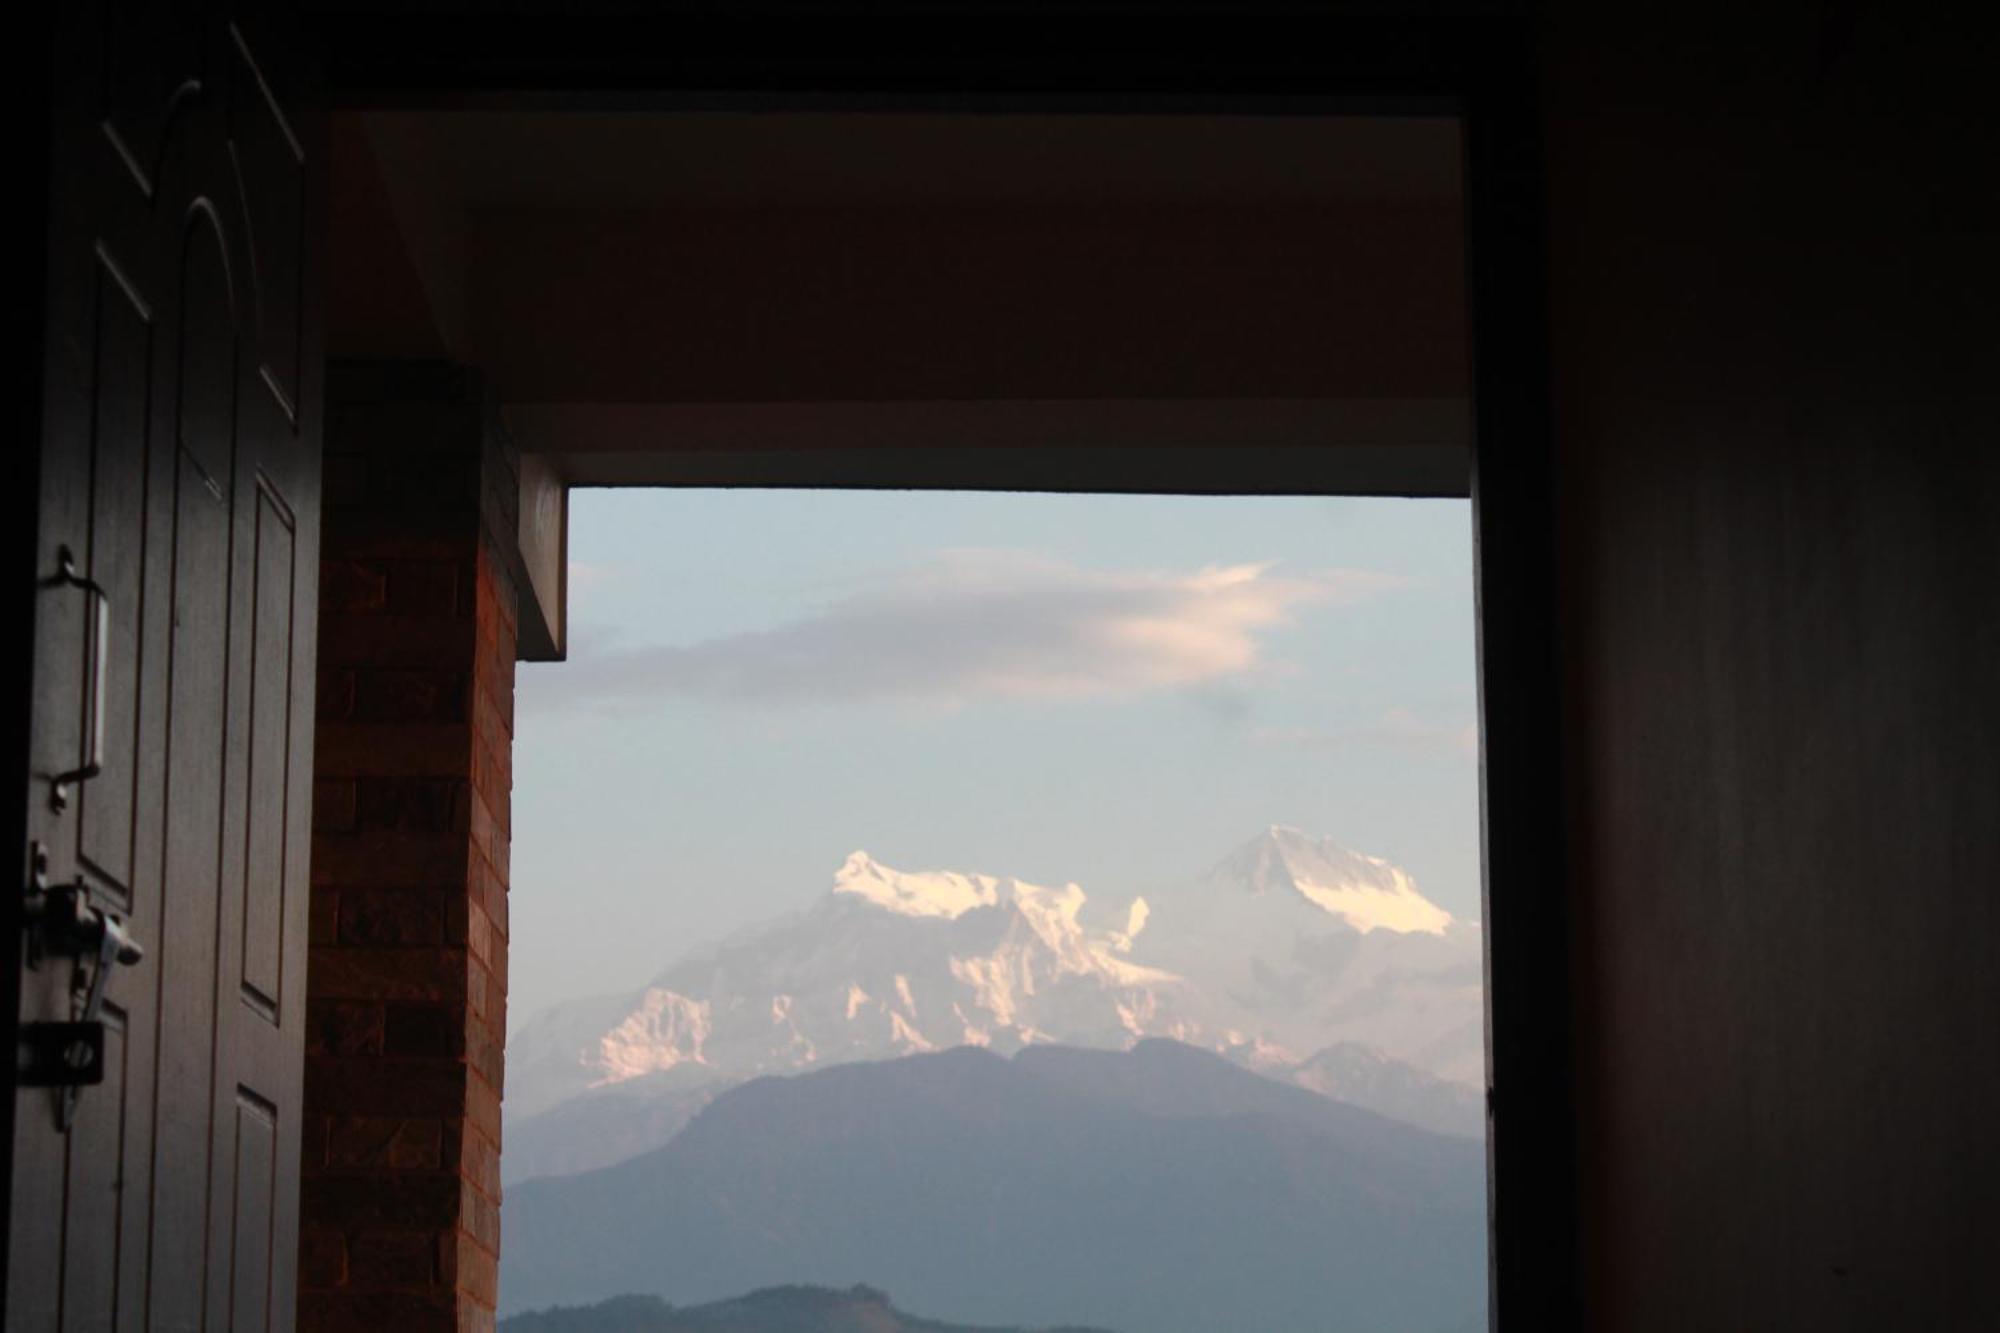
pixel 586 574
pixel 983 624
pixel 1395 729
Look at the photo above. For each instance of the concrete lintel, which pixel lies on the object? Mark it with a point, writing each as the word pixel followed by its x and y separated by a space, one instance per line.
pixel 1409 447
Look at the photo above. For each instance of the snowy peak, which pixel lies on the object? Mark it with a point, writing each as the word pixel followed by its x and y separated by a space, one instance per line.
pixel 1366 892
pixel 1291 944
pixel 663 1031
pixel 937 893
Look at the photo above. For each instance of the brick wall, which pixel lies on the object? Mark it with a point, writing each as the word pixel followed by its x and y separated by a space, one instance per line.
pixel 408 976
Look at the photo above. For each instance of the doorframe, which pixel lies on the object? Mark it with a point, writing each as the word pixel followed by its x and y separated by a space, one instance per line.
pixel 1180 59
pixel 1084 57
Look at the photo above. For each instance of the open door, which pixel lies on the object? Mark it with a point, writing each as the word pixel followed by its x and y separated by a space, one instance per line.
pixel 156 1132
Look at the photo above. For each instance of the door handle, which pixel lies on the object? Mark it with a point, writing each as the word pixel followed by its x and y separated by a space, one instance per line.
pixel 97 629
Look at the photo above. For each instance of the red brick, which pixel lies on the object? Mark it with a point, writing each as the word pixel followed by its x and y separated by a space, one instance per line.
pixel 479 823
pixel 482 1107
pixel 493 897
pixel 351 587
pixel 405 420
pixel 479 1216
pixel 473 1269
pixel 493 778
pixel 424 587
pixel 333 804
pixel 343 1027
pixel 346 479
pixel 483 1051
pixel 375 917
pixel 411 1200
pixel 322 1258
pixel 476 988
pixel 380 1259
pixel 409 694
pixel 385 858
pixel 483 889
pixel 385 642
pixel 333 694
pixel 432 1031
pixel 479 935
pixel 469 589
pixel 496 964
pixel 492 727
pixel 340 972
pixel 424 805
pixel 434 1311
pixel 386 534
pixel 411 850
pixel 313 1130
pixel 480 1163
pixel 432 480
pixel 439 749
pixel 346 1088
pixel 323 916
pixel 457 909
pixel 385 1143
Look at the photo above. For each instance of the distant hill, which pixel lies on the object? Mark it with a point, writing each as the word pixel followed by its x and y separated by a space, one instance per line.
pixel 774 1310
pixel 1162 1190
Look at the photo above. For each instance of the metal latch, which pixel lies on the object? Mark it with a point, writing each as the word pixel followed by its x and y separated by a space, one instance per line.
pixel 63 922
pixel 60 1055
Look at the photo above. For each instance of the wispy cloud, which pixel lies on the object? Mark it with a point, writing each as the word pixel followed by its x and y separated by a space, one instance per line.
pixel 985 624
pixel 1396 729
pixel 587 574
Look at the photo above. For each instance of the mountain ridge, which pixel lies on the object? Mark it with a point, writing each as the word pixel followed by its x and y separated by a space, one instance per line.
pixel 1161 1188
pixel 786 1309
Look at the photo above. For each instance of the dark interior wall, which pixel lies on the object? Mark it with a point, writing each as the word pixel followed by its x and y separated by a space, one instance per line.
pixel 1775 353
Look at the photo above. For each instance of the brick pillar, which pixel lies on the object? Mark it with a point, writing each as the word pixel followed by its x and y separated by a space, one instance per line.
pixel 408 975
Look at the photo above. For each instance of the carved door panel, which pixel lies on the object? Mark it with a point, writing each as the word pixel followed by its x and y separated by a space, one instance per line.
pixel 170 741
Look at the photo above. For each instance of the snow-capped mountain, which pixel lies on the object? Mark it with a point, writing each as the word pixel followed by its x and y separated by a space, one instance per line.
pixel 1298 943
pixel 887 963
pixel 1288 947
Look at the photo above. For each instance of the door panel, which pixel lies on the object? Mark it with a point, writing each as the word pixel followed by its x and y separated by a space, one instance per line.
pixel 180 471
pixel 119 441
pixel 90 1236
pixel 272 163
pixel 256 1151
pixel 273 571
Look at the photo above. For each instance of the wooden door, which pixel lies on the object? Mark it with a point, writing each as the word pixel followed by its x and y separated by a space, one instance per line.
pixel 179 471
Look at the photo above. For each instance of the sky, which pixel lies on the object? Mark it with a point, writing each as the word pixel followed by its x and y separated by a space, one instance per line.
pixel 1109 690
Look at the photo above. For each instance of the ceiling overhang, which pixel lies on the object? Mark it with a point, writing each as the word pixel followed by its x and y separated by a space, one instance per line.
pixel 1172 303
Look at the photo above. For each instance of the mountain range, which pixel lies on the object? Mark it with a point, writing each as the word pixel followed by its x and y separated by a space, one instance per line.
pixel 1160 1188
pixel 1294 957
pixel 791 1309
